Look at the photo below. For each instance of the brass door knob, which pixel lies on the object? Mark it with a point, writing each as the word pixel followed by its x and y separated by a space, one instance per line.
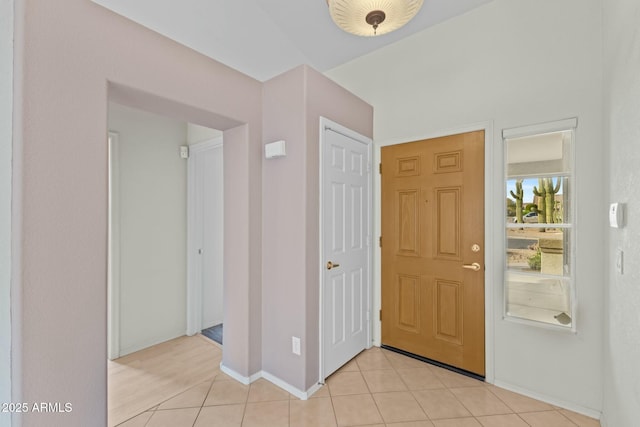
pixel 331 265
pixel 475 266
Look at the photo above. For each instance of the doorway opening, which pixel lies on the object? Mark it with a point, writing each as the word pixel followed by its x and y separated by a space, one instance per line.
pixel 153 354
pixel 166 229
pixel 205 238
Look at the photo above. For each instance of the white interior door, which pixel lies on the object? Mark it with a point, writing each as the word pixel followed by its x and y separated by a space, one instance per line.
pixel 346 241
pixel 212 226
pixel 205 304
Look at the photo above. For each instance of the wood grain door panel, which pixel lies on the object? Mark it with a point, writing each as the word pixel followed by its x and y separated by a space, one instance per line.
pixel 432 215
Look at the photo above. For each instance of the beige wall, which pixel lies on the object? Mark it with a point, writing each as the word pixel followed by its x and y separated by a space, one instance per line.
pixel 293 103
pixel 511 63
pixel 622 120
pixel 70 55
pixel 283 224
pixel 329 100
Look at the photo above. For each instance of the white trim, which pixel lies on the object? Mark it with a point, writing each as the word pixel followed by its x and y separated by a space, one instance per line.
pixel 592 413
pixel 194 231
pixel 302 395
pixel 321 130
pixel 538 128
pixel 113 260
pixel 311 390
pixel 240 378
pixel 493 264
pixel 537 324
pixel 205 145
pixel 530 130
pixel 6 231
pixel 324 125
pixel 150 342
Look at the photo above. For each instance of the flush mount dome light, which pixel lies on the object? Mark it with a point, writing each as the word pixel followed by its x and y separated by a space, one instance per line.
pixel 372 17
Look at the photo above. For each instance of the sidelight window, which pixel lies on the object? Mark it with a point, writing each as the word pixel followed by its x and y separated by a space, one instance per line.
pixel 539 224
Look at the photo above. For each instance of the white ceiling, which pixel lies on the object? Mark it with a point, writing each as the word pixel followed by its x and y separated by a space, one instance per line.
pixel 263 38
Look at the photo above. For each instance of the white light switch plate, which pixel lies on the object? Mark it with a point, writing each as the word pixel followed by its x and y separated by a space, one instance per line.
pixel 620 261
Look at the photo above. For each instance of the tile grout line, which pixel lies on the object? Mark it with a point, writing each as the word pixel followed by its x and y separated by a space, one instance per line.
pixel 530 412
pixel 204 400
pixel 459 401
pixel 156 407
pixel 406 385
pixel 369 389
pixel 246 401
pixel 446 388
pixel 326 384
pixel 476 416
pixel 146 422
pixel 570 420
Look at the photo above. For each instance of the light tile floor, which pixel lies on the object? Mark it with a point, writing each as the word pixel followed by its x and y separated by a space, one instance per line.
pixel 377 388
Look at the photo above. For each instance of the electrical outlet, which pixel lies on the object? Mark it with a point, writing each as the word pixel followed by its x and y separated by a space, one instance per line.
pixel 295 345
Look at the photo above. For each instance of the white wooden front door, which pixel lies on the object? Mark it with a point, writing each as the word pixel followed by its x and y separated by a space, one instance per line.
pixel 346 244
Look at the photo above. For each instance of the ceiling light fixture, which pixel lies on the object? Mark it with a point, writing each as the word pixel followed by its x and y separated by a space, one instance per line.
pixel 372 17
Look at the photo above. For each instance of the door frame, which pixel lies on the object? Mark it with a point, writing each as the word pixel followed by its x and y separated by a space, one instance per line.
pixel 194 269
pixel 113 256
pixel 328 125
pixel 493 259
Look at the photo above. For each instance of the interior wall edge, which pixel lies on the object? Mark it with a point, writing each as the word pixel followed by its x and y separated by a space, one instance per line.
pixel 6 194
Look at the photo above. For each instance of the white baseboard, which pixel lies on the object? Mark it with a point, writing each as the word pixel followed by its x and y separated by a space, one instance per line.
pixel 302 395
pixel 141 345
pixel 550 400
pixel 312 390
pixel 240 378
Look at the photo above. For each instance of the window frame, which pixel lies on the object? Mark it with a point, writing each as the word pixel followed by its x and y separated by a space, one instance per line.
pixel 569 223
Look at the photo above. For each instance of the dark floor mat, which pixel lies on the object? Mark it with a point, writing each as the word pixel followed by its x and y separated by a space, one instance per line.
pixel 214 333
